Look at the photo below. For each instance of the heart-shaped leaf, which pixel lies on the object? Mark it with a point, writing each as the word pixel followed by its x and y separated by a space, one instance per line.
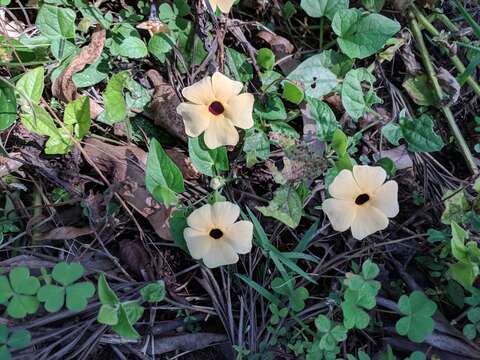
pixel 67 274
pixel 78 295
pixel 53 297
pixel 21 305
pixel 22 282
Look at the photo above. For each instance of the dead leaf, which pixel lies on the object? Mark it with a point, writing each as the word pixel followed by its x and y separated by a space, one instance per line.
pixel 184 163
pixel 10 164
pixel 127 165
pixel 154 27
pixel 282 48
pixel 450 86
pixel 412 66
pixel 63 233
pixel 398 155
pixel 163 107
pixel 134 256
pixel 186 342
pixel 64 87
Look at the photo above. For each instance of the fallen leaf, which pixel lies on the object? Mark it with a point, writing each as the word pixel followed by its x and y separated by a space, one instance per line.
pixel 154 27
pixel 64 233
pixel 398 155
pixel 10 164
pixel 127 165
pixel 163 107
pixel 450 86
pixel 64 87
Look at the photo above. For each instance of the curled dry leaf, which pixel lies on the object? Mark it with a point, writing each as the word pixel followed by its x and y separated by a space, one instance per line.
pixel 163 107
pixel 10 164
pixel 412 66
pixel 450 85
pixel 64 87
pixel 127 165
pixel 154 27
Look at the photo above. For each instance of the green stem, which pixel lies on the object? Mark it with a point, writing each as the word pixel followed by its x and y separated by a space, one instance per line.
pixel 454 58
pixel 474 25
pixel 320 44
pixel 427 63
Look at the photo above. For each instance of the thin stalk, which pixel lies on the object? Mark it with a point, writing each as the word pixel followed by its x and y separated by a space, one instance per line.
pixel 468 18
pixel 427 63
pixel 454 58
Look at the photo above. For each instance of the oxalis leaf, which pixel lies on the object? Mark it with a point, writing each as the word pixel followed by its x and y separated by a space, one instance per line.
pixel 355 102
pixel 162 176
pixel 285 206
pixel 417 323
pixel 362 35
pixel 18 291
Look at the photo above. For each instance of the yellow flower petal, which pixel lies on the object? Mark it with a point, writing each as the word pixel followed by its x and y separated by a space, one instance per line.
pixel 368 221
pixel 369 178
pixel 341 213
pixel 385 199
pixel 225 88
pixel 213 4
pixel 200 93
pixel 221 253
pixel 196 118
pixel 239 236
pixel 198 242
pixel 240 109
pixel 225 5
pixel 220 132
pixel 224 214
pixel 201 219
pixel 344 186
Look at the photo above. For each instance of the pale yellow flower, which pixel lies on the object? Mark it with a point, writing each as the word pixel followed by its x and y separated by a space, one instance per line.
pixel 223 5
pixel 361 201
pixel 214 236
pixel 215 107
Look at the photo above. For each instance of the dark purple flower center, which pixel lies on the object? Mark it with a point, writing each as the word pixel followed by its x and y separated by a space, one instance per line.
pixel 216 108
pixel 362 199
pixel 216 233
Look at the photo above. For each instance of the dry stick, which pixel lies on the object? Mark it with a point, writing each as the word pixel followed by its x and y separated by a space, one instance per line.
pixel 455 59
pixel 427 63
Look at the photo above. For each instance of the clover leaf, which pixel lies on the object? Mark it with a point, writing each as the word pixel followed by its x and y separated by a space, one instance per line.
pixel 417 323
pixel 18 291
pixel 75 295
pixel 296 297
pixel 15 340
pixel 330 334
pixel 153 292
pixel 470 330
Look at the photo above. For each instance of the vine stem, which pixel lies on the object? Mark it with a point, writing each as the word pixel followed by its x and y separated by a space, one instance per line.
pixel 427 63
pixel 454 58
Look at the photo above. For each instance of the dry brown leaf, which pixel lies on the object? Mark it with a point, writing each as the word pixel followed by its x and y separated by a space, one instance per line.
pixel 398 155
pixel 64 87
pixel 63 233
pixel 163 107
pixel 127 165
pixel 154 27
pixel 450 85
pixel 184 163
pixel 10 164
pixel 412 66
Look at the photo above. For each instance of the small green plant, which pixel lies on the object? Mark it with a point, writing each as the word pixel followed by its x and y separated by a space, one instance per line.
pixel 473 328
pixel 121 316
pixel 74 295
pixel 153 292
pixel 329 333
pixel 296 297
pixel 417 323
pixel 17 339
pixel 18 292
pixel 360 295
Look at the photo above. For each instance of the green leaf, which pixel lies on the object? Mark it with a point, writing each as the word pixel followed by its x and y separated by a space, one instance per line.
pixel 339 143
pixel 324 117
pixel 265 58
pixel 4 353
pixel 207 161
pixel 292 92
pixel 420 90
pixel 52 296
pixel 22 282
pixel 320 8
pixel 114 99
pixel 77 295
pixel 238 66
pixel 8 106
pixel 77 117
pixel 93 74
pixel 19 339
pixel 163 178
pixel 108 315
pixel 318 80
pixel 67 274
pixel 459 250
pixel 124 328
pixel 285 206
pixel 127 42
pixel 31 86
pixel 362 35
pixel 456 206
pixel 393 133
pixel 322 323
pixel 464 273
pixel 270 108
pixel 256 146
pixel 3 334
pixel 354 316
pixel 373 5
pixel 55 22
pixel 105 293
pixel 417 323
pixel 22 305
pixel 420 135
pixel 153 292
pixel 355 102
